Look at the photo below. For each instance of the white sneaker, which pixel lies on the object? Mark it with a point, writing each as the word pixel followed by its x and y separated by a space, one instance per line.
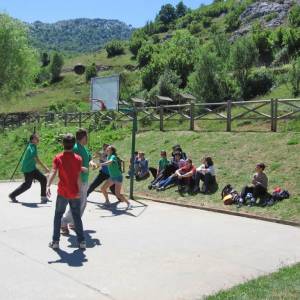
pixel 54 245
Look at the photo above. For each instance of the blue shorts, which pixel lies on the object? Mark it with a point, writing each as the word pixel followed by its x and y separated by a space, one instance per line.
pixel 118 179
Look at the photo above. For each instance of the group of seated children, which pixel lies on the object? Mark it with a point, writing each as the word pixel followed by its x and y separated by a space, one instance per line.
pixel 179 170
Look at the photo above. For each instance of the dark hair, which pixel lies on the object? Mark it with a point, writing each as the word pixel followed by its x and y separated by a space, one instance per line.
pixel 209 161
pixel 80 134
pixel 189 161
pixel 32 137
pixel 177 153
pixel 136 152
pixel 163 152
pixel 113 150
pixel 261 165
pixel 175 147
pixel 68 141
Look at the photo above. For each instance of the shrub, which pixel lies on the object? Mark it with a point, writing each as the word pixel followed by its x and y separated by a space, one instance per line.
pixel 114 48
pixel 145 54
pixel 91 71
pixel 194 27
pixel 258 83
pixel 232 21
pixel 281 57
pixel 294 77
pixel 56 66
pixel 294 16
pixel 168 84
pixel 43 76
pixel 151 73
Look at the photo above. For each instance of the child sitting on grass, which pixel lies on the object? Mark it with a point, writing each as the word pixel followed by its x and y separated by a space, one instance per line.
pixel 259 187
pixel 142 169
pixel 159 173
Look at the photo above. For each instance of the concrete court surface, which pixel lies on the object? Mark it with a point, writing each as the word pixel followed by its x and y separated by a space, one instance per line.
pixel 152 252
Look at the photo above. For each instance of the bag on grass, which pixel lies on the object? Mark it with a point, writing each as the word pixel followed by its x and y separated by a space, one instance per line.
pixel 230 195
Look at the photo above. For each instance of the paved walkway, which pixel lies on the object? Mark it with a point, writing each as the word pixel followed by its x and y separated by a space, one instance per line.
pixel 152 252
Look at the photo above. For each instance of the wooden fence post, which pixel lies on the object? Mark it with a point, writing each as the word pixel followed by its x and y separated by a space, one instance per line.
pixel 161 118
pixel 79 119
pixel 272 114
pixel 229 104
pixel 192 114
pixel 275 115
pixel 66 119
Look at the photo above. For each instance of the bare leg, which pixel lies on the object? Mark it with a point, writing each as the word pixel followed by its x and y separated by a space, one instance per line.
pixel 104 188
pixel 121 197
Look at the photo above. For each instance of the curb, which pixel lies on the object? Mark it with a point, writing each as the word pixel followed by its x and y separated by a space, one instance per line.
pixel 223 211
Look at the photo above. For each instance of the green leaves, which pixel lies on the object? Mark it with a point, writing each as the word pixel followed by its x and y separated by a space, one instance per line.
pixel 18 61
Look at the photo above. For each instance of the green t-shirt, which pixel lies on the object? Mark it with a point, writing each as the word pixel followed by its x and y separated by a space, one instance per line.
pixel 28 162
pixel 84 153
pixel 113 169
pixel 163 162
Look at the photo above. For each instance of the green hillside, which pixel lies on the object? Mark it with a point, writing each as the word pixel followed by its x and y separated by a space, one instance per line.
pixel 78 35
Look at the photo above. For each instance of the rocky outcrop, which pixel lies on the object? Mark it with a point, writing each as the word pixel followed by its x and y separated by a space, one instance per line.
pixel 259 11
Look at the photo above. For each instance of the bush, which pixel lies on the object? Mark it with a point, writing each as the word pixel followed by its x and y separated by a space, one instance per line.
pixel 262 42
pixel 194 27
pixel 56 66
pixel 294 16
pixel 114 48
pixel 281 57
pixel 145 54
pixel 151 73
pixel 135 45
pixel 258 83
pixel 232 21
pixel 43 76
pixel 294 77
pixel 168 84
pixel 90 72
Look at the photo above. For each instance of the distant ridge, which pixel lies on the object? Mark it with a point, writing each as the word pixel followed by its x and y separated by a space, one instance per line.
pixel 77 35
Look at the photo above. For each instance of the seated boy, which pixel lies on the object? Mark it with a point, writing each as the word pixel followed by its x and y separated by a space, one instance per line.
pixel 158 173
pixel 143 168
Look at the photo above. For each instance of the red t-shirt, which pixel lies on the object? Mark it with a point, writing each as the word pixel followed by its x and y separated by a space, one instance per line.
pixel 69 166
pixel 187 169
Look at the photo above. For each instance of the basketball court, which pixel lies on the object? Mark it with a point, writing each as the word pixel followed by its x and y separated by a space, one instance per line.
pixel 154 251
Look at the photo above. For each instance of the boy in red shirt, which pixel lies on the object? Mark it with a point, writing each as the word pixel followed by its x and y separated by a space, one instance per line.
pixel 69 166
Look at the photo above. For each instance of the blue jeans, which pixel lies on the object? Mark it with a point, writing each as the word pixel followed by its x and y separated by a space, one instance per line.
pixel 166 182
pixel 60 208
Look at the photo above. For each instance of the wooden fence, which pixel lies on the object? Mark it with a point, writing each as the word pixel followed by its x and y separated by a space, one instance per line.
pixel 270 111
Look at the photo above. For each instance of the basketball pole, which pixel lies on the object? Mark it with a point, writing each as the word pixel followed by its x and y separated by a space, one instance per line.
pixel 133 140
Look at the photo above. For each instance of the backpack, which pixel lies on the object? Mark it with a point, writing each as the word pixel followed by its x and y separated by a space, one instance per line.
pixel 230 195
pixel 119 162
pixel 280 195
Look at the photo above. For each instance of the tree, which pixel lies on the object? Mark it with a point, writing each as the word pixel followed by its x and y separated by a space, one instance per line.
pixel 208 83
pixel 114 48
pixel 91 71
pixel 56 67
pixel 244 55
pixel 18 61
pixel 168 84
pixel 45 59
pixel 294 77
pixel 181 9
pixel 145 55
pixel 167 14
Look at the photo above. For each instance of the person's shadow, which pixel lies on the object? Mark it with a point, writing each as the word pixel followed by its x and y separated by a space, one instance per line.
pixel 113 208
pixel 77 258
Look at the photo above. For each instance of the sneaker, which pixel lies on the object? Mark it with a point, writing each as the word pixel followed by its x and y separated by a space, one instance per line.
pixel 54 245
pixel 82 245
pixel 44 200
pixel 13 199
pixel 64 230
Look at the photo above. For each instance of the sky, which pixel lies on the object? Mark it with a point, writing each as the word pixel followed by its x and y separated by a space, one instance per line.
pixel 132 12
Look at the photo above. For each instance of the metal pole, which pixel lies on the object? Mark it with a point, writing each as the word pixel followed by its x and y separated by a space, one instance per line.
pixel 134 129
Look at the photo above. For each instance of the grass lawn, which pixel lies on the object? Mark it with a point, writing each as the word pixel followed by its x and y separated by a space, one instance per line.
pixel 282 285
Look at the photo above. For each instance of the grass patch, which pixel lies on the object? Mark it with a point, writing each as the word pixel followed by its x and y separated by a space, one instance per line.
pixel 284 284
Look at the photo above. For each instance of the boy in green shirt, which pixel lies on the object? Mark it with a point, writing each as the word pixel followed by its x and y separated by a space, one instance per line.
pixel 81 150
pixel 31 172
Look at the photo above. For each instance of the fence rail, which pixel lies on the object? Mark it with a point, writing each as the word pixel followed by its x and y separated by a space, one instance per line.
pixel 271 111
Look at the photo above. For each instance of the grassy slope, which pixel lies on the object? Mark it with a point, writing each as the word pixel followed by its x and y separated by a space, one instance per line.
pixel 235 155
pixel 283 284
pixel 72 90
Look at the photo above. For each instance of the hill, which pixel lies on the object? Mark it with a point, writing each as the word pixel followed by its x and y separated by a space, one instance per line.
pixel 78 35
